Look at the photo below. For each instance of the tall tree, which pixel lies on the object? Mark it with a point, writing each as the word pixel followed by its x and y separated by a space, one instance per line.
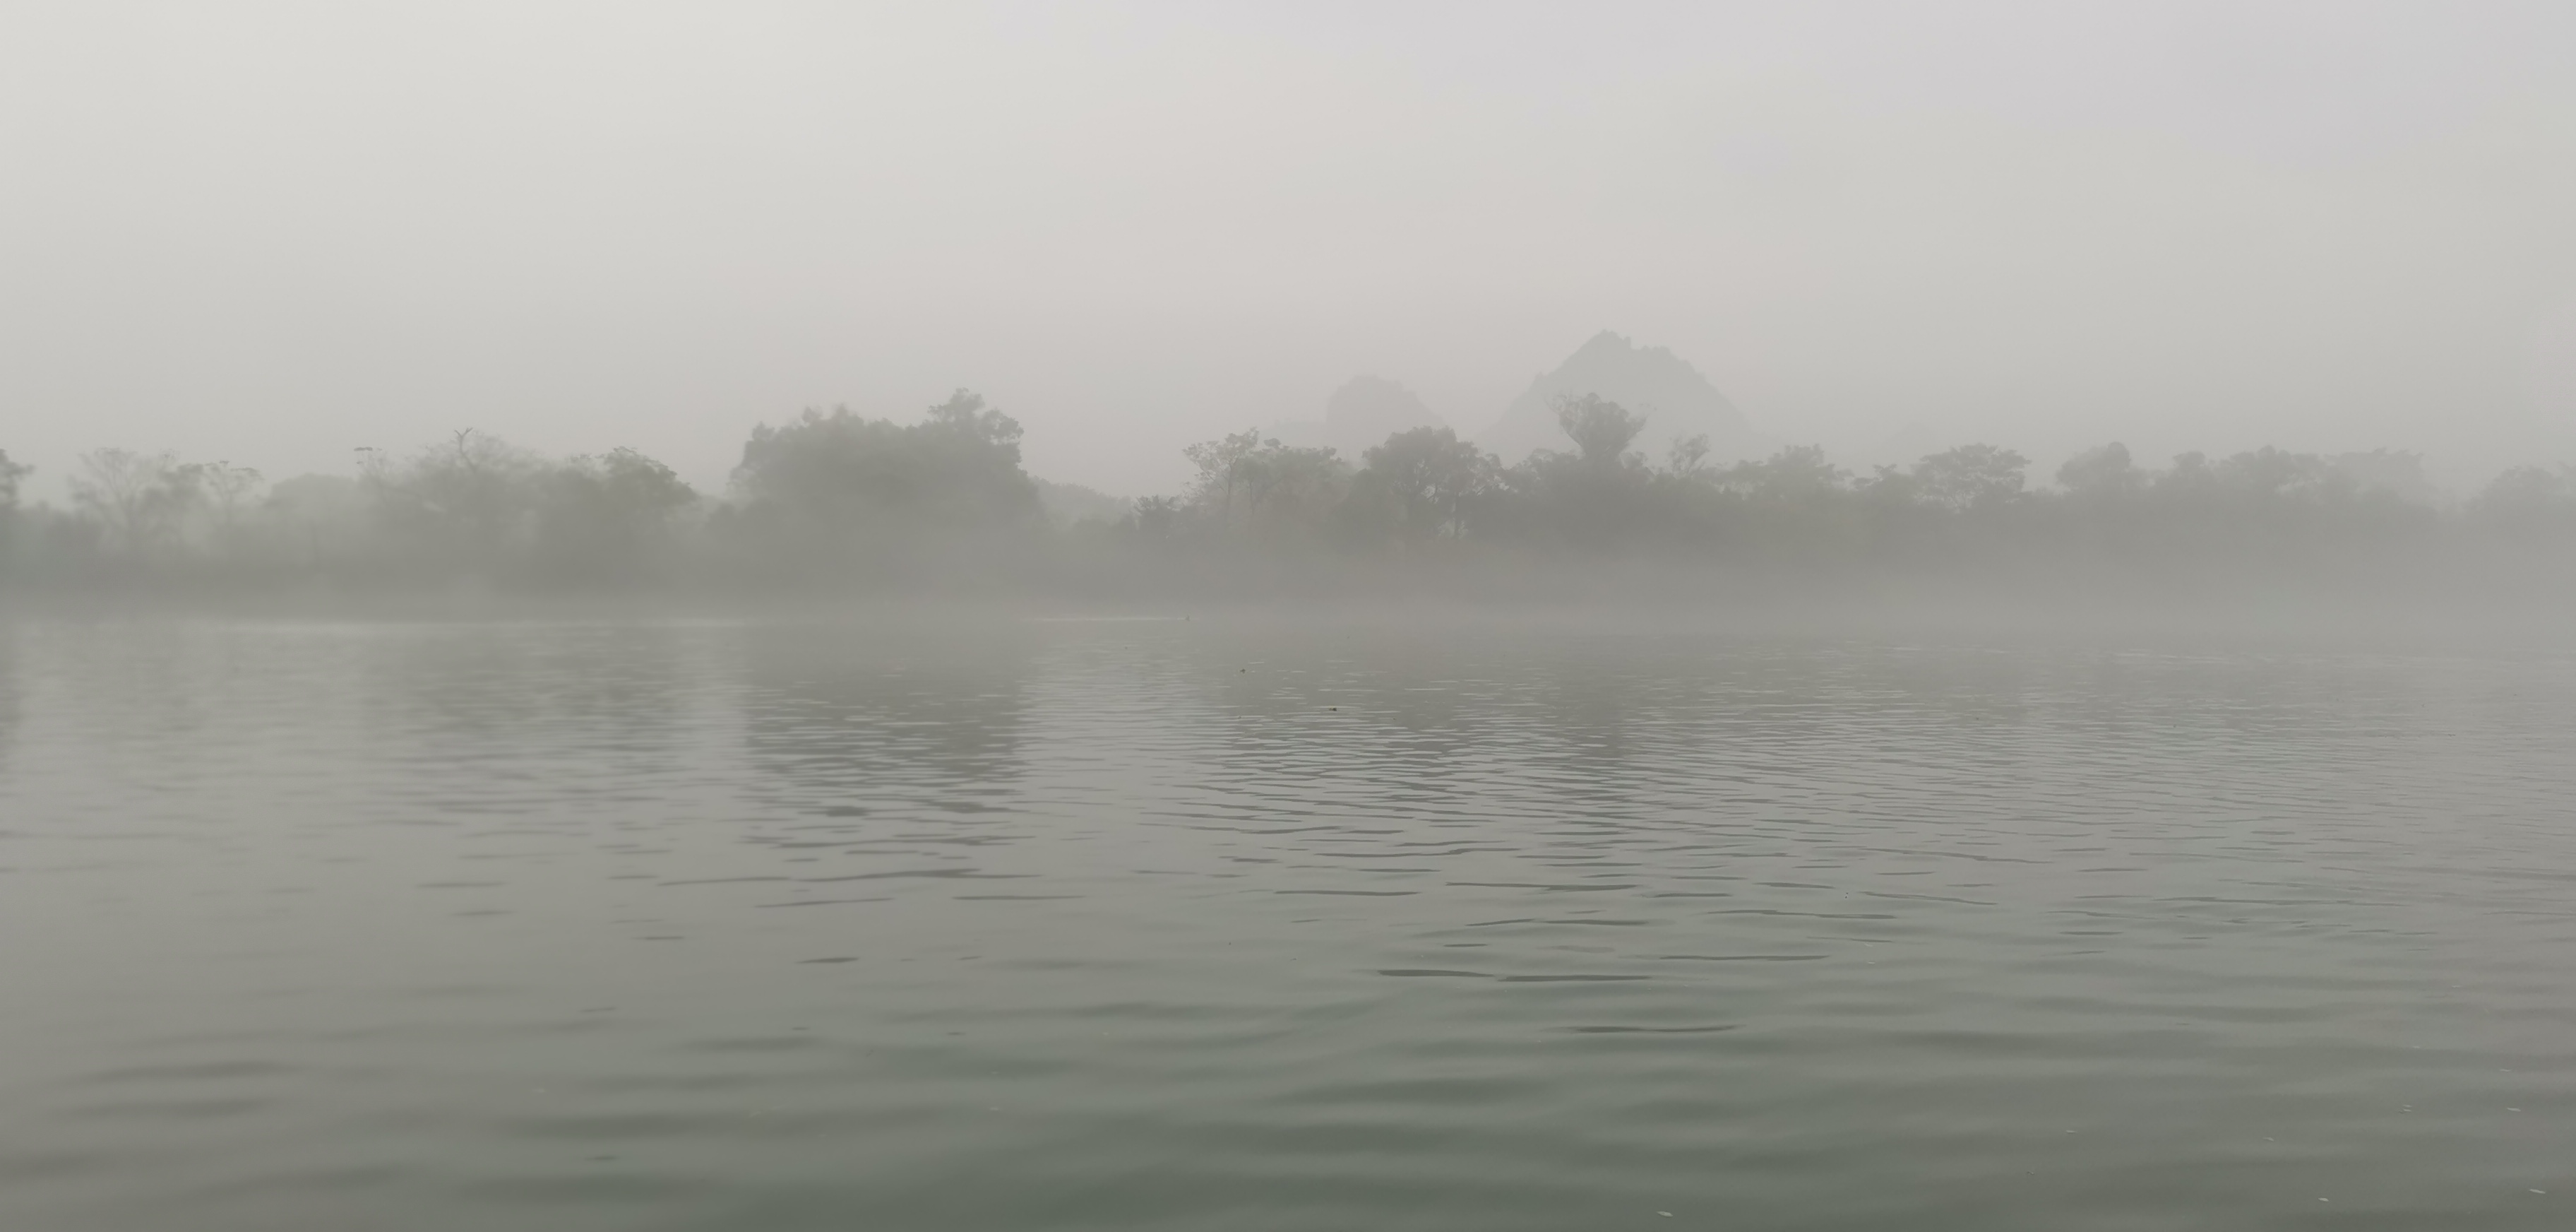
pixel 958 469
pixel 2104 471
pixel 1428 477
pixel 465 503
pixel 1970 477
pixel 141 501
pixel 11 473
pixel 1246 480
pixel 608 517
pixel 1601 429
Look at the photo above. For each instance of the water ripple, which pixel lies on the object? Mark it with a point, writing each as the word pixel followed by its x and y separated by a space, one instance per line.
pixel 1264 925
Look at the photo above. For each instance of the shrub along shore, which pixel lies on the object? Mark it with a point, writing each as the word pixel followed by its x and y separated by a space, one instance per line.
pixel 839 505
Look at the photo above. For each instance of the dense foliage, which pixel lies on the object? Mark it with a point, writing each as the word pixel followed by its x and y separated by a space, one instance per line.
pixel 842 502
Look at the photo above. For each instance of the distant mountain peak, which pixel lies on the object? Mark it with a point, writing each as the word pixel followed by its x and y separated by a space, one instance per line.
pixel 1367 404
pixel 1611 340
pixel 1363 412
pixel 1676 399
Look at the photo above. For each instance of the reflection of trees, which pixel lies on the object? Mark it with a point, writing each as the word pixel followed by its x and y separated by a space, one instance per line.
pixel 1382 711
pixel 1378 730
pixel 855 720
pixel 585 676
pixel 481 707
pixel 1381 729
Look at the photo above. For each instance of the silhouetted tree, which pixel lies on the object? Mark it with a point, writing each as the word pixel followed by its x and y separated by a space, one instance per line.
pixel 2528 503
pixel 1794 473
pixel 1794 504
pixel 11 474
pixel 1598 498
pixel 140 501
pixel 844 497
pixel 1159 517
pixel 1420 484
pixel 2101 472
pixel 464 504
pixel 1970 477
pixel 228 491
pixel 1222 469
pixel 1601 429
pixel 958 469
pixel 1247 481
pixel 2397 472
pixel 1687 457
pixel 319 519
pixel 2271 473
pixel 608 518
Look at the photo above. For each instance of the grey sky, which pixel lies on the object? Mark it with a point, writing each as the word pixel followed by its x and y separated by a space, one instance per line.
pixel 270 233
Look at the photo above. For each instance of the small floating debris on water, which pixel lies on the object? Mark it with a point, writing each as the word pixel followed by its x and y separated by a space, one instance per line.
pixel 1669 1214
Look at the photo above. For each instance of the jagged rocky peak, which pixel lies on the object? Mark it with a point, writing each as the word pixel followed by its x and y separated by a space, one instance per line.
pixel 1675 398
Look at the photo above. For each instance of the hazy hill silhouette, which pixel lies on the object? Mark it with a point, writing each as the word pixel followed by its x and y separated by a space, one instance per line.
pixel 1675 398
pixel 1363 412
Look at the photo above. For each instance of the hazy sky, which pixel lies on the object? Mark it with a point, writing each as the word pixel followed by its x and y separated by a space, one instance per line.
pixel 270 233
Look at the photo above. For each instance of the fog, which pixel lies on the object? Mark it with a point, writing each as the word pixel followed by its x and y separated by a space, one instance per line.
pixel 839 506
pixel 273 234
pixel 1287 615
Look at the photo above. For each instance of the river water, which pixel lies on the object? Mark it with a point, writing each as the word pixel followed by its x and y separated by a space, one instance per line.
pixel 1236 924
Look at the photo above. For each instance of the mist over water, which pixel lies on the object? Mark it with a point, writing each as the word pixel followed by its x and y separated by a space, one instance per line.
pixel 1477 616
pixel 1271 923
pixel 837 507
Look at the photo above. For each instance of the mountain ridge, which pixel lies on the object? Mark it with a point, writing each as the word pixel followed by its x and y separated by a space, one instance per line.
pixel 1674 396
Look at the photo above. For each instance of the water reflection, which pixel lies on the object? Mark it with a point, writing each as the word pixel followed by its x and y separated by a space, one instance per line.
pixel 892 721
pixel 464 692
pixel 1273 925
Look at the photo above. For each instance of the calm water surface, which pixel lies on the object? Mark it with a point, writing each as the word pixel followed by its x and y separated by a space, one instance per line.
pixel 1216 925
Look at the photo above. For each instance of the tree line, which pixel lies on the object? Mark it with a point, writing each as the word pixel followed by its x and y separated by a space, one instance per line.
pixel 842 502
